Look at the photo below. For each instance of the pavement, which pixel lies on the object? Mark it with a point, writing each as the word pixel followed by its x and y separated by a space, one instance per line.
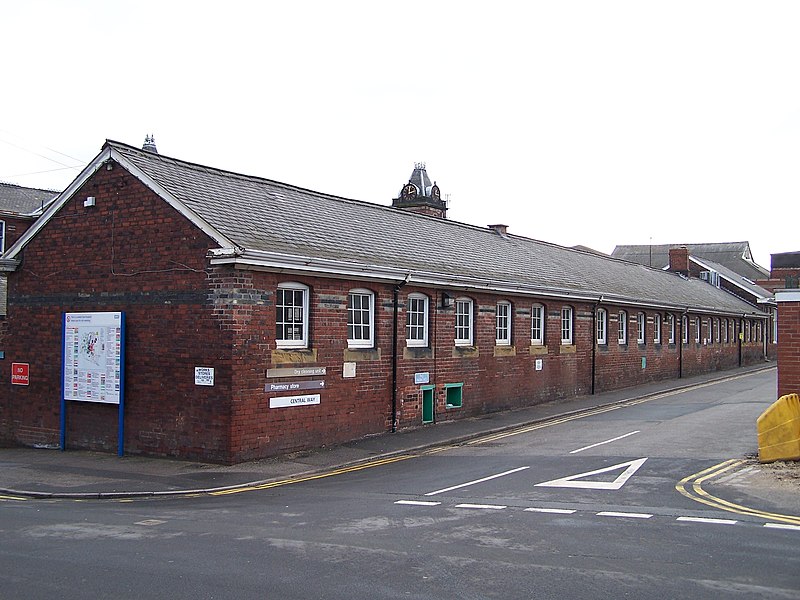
pixel 52 473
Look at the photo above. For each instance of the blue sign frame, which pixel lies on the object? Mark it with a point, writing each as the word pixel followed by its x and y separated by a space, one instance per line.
pixel 73 378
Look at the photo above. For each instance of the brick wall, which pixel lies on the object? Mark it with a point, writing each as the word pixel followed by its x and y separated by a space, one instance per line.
pixel 132 253
pixel 15 227
pixel 788 341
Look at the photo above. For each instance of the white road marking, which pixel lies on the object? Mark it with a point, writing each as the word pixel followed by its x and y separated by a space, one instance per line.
pixel 605 442
pixel 782 526
pixel 482 506
pixel 554 511
pixel 150 522
pixel 418 503
pixel 455 487
pixel 609 513
pixel 570 482
pixel 705 520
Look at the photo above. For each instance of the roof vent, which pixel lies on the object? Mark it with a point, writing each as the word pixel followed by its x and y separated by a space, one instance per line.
pixel 500 229
pixel 150 144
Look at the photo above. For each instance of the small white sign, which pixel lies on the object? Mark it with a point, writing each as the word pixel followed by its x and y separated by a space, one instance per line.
pixel 286 401
pixel 204 375
pixel 349 370
pixel 538 364
pixel 420 378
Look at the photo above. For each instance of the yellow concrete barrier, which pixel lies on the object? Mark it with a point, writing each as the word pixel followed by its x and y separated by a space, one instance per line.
pixel 779 430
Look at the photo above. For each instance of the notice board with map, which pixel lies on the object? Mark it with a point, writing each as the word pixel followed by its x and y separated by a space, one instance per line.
pixel 94 356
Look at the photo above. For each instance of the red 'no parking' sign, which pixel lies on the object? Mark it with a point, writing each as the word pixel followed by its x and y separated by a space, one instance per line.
pixel 20 373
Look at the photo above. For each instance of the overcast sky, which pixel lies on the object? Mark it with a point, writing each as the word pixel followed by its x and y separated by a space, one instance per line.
pixel 595 123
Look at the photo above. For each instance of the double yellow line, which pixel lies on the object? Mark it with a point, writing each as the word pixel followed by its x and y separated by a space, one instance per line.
pixel 692 488
pixel 291 480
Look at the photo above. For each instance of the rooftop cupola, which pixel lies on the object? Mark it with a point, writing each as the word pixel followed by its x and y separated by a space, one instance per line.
pixel 421 196
pixel 150 144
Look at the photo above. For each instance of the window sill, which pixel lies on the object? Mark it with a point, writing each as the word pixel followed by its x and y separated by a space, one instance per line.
pixel 361 354
pixel 412 352
pixel 538 350
pixel 504 350
pixel 567 349
pixel 465 352
pixel 297 356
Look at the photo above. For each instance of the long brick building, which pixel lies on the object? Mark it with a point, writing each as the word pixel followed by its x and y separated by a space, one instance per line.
pixel 261 318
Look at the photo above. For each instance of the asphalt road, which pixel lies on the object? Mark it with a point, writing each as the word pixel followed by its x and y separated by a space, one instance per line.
pixel 584 508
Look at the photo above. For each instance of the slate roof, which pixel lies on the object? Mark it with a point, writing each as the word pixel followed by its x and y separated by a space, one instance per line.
pixel 19 200
pixel 280 224
pixel 736 256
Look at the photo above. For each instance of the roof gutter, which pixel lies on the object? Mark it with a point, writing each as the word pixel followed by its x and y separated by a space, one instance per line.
pixel 303 265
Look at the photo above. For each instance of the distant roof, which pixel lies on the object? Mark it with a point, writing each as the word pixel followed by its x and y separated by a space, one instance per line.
pixel 736 256
pixel 19 200
pixel 742 282
pixel 270 225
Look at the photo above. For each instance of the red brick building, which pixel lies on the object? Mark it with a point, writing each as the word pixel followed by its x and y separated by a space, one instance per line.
pixel 397 319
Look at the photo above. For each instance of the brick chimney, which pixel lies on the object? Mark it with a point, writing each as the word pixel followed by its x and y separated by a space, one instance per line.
pixel 679 260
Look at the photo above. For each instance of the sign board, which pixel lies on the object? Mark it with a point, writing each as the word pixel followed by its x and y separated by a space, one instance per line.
pixel 420 378
pixel 348 370
pixel 92 357
pixel 297 372
pixel 20 374
pixel 93 364
pixel 204 375
pixel 290 386
pixel 538 364
pixel 286 401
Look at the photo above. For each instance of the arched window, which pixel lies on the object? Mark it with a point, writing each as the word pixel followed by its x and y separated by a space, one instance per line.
pixel 602 326
pixel 566 325
pixel 657 329
pixel 360 319
pixel 640 328
pixel 537 325
pixel 622 328
pixel 464 322
pixel 503 324
pixel 417 321
pixel 291 315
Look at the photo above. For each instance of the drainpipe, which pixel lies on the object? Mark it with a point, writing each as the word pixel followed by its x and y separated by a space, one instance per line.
pixel 739 338
pixel 395 310
pixel 680 343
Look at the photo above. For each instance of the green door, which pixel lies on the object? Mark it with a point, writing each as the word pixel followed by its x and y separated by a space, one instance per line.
pixel 427 403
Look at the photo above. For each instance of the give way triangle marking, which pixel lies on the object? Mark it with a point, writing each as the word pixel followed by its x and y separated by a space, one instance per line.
pixel 578 481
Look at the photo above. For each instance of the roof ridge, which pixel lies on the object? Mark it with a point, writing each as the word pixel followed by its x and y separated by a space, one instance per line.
pixel 26 187
pixel 289 186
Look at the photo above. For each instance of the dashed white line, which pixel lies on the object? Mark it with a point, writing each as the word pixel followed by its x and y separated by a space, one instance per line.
pixel 782 526
pixel 552 511
pixel 706 520
pixel 570 511
pixel 461 485
pixel 605 442
pixel 629 515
